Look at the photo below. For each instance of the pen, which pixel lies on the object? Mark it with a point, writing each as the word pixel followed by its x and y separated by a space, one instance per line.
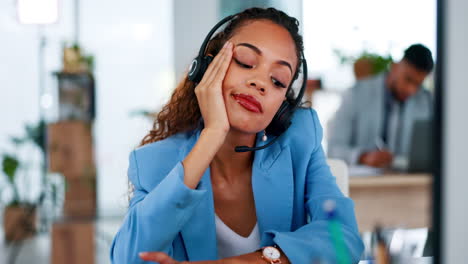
pixel 336 234
pixel 380 144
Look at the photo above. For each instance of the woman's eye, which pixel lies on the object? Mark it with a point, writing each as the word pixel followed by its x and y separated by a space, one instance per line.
pixel 278 83
pixel 243 65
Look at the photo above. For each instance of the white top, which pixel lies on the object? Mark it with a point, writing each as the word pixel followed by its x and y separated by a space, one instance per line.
pixel 232 244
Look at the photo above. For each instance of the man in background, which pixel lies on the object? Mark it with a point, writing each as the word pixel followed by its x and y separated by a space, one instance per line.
pixel 374 123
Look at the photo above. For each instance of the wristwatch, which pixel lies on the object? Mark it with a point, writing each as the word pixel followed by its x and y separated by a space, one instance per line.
pixel 271 254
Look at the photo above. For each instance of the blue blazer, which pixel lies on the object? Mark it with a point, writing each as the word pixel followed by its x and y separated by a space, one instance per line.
pixel 290 181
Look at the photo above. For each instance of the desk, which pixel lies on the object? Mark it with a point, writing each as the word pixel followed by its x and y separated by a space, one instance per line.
pixel 392 200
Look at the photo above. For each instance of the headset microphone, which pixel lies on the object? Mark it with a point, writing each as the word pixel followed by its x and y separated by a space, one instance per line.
pixel 246 148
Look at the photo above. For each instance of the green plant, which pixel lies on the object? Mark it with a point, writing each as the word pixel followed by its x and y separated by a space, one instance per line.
pixel 85 59
pixel 34 134
pixel 9 166
pixel 11 163
pixel 379 63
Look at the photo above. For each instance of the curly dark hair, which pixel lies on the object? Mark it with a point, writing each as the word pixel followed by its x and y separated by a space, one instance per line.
pixel 182 113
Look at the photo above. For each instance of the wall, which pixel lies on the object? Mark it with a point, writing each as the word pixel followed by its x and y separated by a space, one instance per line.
pixel 455 131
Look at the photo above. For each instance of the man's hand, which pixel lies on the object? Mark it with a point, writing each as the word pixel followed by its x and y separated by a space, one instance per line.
pixel 379 159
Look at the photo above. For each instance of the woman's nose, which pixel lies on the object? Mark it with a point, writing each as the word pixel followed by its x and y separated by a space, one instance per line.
pixel 257 84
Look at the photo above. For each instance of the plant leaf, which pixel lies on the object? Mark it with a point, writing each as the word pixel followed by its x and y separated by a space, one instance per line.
pixel 10 165
pixel 36 133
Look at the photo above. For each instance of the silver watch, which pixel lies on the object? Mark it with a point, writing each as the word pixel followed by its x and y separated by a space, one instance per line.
pixel 271 254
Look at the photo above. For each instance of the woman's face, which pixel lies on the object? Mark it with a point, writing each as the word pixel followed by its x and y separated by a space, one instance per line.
pixel 262 67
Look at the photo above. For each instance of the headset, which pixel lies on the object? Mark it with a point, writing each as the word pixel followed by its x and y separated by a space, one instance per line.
pixel 282 119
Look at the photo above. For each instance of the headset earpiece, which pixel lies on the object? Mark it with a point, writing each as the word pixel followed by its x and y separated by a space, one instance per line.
pixel 194 69
pixel 198 68
pixel 282 119
pixel 201 62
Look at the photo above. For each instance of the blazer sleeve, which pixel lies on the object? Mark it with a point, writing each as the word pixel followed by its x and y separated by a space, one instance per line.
pixel 342 130
pixel 312 242
pixel 155 216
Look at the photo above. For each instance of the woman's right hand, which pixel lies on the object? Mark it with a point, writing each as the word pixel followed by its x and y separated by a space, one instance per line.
pixel 209 92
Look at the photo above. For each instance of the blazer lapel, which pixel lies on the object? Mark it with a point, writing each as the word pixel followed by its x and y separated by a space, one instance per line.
pixel 199 233
pixel 273 187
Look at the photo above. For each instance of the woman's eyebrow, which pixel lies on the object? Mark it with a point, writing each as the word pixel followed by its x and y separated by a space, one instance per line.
pixel 259 52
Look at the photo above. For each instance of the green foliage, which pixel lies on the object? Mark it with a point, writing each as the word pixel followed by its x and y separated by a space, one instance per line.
pixel 9 165
pixel 379 63
pixel 87 59
pixel 35 133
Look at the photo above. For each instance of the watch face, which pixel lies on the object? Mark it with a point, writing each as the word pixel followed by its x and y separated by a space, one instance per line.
pixel 271 253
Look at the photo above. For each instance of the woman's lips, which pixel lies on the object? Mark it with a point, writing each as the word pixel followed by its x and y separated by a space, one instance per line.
pixel 248 102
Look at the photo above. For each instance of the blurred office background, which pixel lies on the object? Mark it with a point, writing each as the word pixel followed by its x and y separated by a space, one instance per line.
pixel 141 49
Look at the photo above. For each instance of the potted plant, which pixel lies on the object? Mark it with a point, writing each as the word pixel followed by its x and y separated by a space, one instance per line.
pixel 19 218
pixel 366 64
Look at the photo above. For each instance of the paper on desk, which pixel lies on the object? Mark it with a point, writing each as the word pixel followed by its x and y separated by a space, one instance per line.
pixel 363 171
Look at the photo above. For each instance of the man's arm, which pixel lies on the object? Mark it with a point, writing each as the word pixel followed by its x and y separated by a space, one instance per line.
pixel 342 129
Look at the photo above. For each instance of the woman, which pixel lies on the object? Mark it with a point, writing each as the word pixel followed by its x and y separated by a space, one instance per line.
pixel 196 199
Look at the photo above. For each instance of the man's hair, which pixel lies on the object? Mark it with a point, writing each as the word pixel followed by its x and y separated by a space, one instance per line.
pixel 419 56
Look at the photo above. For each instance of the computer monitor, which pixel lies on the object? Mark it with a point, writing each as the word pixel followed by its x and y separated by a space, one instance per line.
pixel 420 156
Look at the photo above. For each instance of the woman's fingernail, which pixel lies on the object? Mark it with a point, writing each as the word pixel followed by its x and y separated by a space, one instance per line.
pixel 142 254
